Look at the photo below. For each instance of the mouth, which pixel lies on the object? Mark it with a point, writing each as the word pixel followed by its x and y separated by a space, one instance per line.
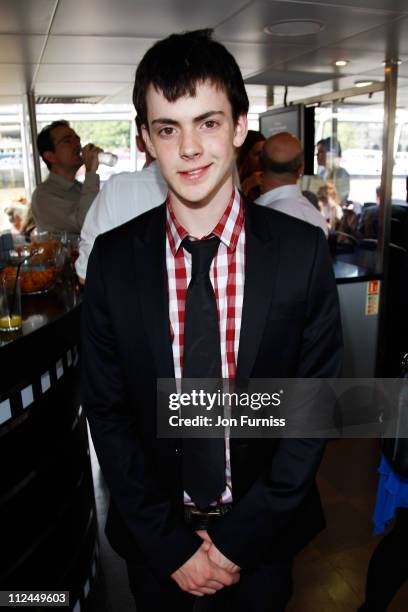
pixel 195 173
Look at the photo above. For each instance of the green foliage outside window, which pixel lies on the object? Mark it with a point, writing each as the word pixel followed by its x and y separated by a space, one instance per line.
pixel 105 134
pixel 356 135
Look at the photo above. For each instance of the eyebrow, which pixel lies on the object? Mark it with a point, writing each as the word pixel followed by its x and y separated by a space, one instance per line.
pixel 164 120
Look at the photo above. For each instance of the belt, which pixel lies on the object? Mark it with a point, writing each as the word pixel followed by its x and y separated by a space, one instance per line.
pixel 201 519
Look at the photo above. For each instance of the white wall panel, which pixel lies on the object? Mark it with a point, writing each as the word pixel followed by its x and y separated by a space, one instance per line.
pixel 140 17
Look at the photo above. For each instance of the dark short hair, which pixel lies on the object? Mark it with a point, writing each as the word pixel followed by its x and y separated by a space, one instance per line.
pixel 138 125
pixel 45 141
pixel 288 167
pixel 331 145
pixel 176 64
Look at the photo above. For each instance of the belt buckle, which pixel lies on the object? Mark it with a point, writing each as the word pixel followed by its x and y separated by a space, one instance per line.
pixel 215 512
pixel 202 513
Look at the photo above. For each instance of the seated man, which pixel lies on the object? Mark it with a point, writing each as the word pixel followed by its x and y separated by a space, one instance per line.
pixel 369 220
pixel 60 203
pixel 282 162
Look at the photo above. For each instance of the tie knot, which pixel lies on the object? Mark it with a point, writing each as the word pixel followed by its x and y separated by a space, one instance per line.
pixel 202 254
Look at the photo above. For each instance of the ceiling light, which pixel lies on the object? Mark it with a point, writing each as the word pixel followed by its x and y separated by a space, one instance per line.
pixel 341 62
pixel 363 83
pixel 397 61
pixel 294 27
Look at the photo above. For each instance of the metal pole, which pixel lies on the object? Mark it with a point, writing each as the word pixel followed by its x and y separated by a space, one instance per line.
pixel 270 96
pixel 334 139
pixel 25 147
pixel 33 130
pixel 383 261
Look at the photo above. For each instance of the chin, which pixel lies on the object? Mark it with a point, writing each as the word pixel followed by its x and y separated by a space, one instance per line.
pixel 198 192
pixel 197 198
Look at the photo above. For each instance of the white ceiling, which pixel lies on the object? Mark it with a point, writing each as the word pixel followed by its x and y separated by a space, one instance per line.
pixel 91 47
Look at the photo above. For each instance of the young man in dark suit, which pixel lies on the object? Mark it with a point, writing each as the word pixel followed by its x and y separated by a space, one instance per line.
pixel 186 529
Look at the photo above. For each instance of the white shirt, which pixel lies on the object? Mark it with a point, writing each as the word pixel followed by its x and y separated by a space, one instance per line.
pixel 123 197
pixel 289 200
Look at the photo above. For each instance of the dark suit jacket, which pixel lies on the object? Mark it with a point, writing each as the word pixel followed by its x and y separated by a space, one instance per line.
pixel 290 328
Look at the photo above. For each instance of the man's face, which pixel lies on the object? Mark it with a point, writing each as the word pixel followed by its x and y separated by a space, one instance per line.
pixel 321 155
pixel 193 139
pixel 67 148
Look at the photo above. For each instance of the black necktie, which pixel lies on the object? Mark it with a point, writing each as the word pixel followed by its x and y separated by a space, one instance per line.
pixel 203 458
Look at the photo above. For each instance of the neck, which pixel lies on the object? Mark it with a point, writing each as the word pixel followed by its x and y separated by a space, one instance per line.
pixel 68 173
pixel 200 218
pixel 273 182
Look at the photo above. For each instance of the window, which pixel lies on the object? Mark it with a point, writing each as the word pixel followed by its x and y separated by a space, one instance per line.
pixel 12 189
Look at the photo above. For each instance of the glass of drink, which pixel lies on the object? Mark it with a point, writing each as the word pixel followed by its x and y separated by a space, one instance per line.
pixel 10 302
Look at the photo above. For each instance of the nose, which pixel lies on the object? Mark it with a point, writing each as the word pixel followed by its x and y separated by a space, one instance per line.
pixel 190 144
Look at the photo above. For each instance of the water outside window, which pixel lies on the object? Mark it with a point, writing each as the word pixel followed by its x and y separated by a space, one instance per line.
pixel 12 189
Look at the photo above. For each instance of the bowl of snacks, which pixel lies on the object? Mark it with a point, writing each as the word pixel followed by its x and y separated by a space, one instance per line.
pixel 38 263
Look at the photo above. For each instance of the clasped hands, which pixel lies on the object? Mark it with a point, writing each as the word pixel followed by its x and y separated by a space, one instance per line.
pixel 207 571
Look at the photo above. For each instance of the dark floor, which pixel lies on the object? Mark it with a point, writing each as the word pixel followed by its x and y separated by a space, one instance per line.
pixel 329 574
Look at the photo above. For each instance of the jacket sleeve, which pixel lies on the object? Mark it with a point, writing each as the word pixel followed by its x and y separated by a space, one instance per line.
pixel 269 505
pixel 165 541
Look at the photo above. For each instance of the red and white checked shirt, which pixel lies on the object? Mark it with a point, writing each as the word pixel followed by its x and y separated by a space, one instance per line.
pixel 227 274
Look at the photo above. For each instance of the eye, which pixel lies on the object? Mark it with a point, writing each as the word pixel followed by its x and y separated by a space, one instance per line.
pixel 166 131
pixel 210 124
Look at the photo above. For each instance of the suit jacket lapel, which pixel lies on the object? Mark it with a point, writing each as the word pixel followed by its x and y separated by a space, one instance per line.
pixel 151 277
pixel 261 264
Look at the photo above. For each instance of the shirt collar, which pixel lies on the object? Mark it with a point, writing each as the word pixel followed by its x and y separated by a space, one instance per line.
pixel 62 182
pixel 227 229
pixel 286 191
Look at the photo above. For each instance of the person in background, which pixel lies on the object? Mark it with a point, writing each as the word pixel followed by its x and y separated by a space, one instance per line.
pixel 124 196
pixel 282 163
pixel 370 217
pixel 328 153
pixel 188 290
pixel 312 197
pixel 20 217
pixel 15 215
pixel 248 165
pixel 61 202
pixel 388 567
pixel 329 205
pixel 348 224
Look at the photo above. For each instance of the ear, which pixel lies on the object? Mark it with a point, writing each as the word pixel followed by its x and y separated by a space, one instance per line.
pixel 240 130
pixel 49 156
pixel 140 144
pixel 147 141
